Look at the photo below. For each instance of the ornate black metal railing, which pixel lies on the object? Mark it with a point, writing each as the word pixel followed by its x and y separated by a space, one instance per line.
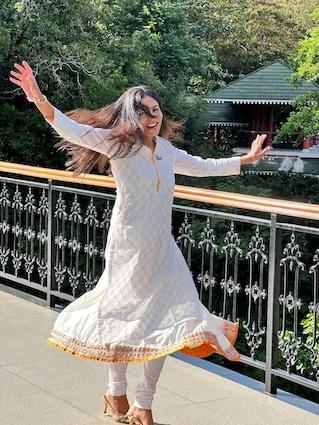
pixel 255 269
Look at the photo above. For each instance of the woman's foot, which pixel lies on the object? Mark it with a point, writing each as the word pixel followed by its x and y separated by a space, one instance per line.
pixel 118 402
pixel 141 416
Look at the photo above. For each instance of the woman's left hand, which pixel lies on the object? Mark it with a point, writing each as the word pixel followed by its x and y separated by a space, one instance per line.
pixel 256 152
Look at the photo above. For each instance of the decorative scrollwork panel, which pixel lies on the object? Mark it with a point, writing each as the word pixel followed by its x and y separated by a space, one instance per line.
pixel 289 340
pixel 256 293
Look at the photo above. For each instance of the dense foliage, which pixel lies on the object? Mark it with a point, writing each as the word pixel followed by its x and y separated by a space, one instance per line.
pixel 254 33
pixel 304 120
pixel 87 52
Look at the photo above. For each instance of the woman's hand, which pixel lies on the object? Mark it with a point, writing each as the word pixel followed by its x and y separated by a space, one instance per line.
pixel 256 152
pixel 26 80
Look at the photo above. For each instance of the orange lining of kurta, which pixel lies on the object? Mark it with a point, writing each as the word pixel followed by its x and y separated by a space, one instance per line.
pixel 204 349
pixel 207 349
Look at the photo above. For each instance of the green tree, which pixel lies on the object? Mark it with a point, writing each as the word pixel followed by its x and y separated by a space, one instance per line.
pixel 254 33
pixel 304 120
pixel 86 53
pixel 61 40
pixel 306 59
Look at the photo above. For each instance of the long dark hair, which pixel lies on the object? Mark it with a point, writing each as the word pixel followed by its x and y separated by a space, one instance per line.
pixel 122 117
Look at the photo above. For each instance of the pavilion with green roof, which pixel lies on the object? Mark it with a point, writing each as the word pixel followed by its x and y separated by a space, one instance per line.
pixel 255 103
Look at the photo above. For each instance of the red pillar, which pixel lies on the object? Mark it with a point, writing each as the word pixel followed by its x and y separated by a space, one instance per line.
pixel 271 124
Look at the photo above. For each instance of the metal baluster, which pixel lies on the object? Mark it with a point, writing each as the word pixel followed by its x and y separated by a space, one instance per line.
pixel 105 224
pixel 185 240
pixel 42 237
pixel 4 227
pixel 312 342
pixel 60 240
pixel 75 245
pixel 289 342
pixel 29 234
pixel 17 230
pixel 275 251
pixel 256 293
pixel 90 248
pixel 50 244
pixel 229 284
pixel 207 279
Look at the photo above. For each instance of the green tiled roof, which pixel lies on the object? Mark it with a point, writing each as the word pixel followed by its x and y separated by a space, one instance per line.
pixel 224 114
pixel 269 84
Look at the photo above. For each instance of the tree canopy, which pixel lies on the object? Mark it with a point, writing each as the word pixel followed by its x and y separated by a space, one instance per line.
pixel 254 33
pixel 306 59
pixel 304 120
pixel 87 52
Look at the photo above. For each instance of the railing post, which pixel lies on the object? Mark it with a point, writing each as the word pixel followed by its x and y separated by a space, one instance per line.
pixel 275 252
pixel 50 262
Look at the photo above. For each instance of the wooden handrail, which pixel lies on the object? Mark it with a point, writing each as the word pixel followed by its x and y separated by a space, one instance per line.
pixel 208 196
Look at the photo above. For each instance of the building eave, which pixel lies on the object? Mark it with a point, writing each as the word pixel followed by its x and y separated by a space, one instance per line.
pixel 228 124
pixel 252 101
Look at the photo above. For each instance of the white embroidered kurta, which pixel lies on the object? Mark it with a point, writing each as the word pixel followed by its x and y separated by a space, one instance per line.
pixel 145 304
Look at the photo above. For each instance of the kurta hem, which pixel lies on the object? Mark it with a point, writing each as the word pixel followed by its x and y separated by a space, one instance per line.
pixel 198 344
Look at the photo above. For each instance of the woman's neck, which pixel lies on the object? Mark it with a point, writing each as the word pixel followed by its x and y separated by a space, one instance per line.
pixel 150 142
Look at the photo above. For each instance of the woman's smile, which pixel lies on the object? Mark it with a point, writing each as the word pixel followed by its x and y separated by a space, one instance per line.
pixel 152 126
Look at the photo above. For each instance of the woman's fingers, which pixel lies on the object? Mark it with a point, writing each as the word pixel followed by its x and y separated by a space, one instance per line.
pixel 28 67
pixel 20 68
pixel 257 144
pixel 16 74
pixel 23 77
pixel 263 152
pixel 261 138
pixel 266 150
pixel 257 152
pixel 18 82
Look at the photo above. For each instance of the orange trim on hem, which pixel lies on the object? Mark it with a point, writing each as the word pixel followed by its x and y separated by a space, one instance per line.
pixel 202 349
pixel 207 348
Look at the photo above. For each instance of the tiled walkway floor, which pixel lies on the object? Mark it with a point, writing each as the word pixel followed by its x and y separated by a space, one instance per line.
pixel 43 386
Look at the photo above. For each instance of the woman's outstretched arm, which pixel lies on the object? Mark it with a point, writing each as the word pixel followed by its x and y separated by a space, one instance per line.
pixel 192 165
pixel 80 134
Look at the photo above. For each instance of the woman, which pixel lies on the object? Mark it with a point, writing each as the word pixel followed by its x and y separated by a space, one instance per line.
pixel 145 304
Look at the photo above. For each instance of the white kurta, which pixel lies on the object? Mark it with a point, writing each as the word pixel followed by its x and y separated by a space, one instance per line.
pixel 145 305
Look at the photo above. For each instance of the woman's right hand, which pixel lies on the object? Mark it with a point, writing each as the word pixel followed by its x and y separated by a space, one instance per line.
pixel 26 80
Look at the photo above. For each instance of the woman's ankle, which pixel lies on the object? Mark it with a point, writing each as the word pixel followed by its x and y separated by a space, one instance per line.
pixel 120 403
pixel 115 396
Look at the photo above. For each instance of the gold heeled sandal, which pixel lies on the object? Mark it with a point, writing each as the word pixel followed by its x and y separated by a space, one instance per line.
pixel 117 416
pixel 133 421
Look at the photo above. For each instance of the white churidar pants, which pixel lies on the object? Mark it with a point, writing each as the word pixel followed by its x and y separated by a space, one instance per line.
pixel 146 387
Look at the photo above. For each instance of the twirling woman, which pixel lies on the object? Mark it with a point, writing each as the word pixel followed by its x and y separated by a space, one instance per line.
pixel 145 305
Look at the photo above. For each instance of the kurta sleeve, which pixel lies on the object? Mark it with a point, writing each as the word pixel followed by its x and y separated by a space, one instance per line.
pixel 81 134
pixel 191 165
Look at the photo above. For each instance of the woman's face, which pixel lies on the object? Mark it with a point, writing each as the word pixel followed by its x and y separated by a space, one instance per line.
pixel 151 124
